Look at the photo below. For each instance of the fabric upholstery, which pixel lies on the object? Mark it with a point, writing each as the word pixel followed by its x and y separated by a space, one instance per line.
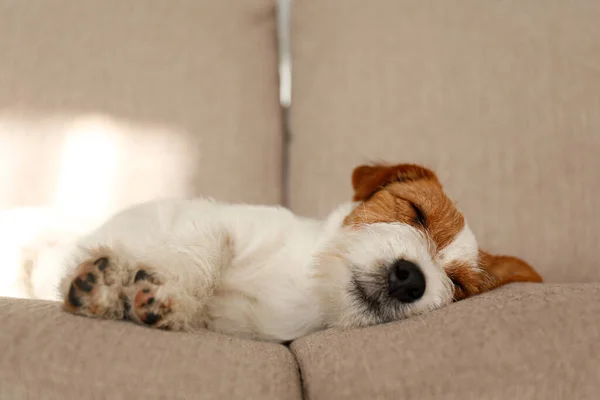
pixel 523 341
pixel 49 354
pixel 501 98
pixel 108 103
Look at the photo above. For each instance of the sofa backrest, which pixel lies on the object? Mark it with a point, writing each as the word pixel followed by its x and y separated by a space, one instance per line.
pixel 108 103
pixel 501 98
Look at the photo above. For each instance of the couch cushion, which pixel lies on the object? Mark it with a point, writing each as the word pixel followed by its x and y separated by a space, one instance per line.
pixel 502 98
pixel 523 341
pixel 48 354
pixel 108 103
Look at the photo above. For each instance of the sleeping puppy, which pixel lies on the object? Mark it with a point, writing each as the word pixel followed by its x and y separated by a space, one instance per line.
pixel 400 249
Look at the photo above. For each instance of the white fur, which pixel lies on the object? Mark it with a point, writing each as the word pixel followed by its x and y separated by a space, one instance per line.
pixel 463 248
pixel 255 271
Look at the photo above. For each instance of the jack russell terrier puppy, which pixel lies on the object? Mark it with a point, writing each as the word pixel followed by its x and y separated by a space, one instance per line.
pixel 400 249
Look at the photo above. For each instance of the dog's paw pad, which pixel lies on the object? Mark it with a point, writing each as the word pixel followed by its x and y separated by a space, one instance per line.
pixel 146 275
pixel 141 275
pixel 90 290
pixel 152 309
pixel 88 276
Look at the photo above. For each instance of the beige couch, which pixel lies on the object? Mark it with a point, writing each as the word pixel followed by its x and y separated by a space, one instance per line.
pixel 502 98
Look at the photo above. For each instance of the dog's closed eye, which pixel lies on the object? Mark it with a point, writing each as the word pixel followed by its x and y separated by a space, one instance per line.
pixel 458 284
pixel 420 218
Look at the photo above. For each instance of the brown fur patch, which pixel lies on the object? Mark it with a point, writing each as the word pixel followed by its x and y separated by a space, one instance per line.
pixel 507 269
pixel 407 194
pixel 494 271
pixel 368 179
pixel 467 279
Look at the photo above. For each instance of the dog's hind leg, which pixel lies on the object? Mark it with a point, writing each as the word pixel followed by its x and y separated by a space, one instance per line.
pixel 95 287
pixel 173 292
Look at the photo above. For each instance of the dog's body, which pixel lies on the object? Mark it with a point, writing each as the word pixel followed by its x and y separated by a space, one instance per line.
pixel 241 269
pixel 261 272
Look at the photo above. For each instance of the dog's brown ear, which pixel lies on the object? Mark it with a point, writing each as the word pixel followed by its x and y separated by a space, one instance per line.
pixel 368 179
pixel 506 269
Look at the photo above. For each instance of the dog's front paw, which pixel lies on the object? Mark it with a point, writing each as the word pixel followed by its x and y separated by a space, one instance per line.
pixel 155 304
pixel 97 289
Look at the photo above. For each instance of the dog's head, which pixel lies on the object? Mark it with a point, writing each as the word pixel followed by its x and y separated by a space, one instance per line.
pixel 409 250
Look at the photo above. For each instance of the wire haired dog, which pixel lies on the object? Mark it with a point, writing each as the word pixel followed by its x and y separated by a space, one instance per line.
pixel 400 249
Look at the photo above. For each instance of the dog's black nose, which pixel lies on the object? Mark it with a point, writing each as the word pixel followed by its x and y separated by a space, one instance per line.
pixel 406 281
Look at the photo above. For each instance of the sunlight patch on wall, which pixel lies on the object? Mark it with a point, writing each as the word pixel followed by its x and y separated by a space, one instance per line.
pixel 87 175
pixel 92 164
